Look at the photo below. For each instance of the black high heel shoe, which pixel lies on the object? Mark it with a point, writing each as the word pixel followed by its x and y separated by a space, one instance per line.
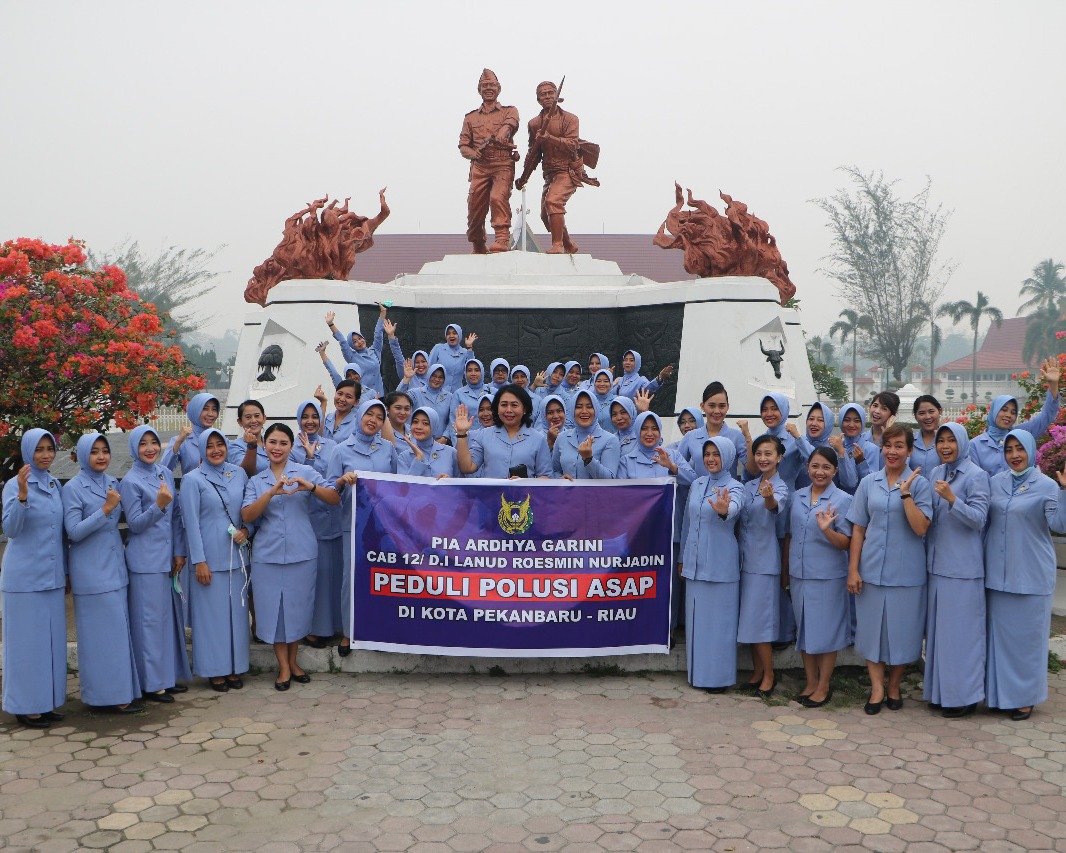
pixel 32 722
pixel 344 651
pixel 872 707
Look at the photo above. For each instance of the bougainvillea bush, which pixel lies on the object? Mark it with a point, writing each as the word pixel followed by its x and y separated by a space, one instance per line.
pixel 79 350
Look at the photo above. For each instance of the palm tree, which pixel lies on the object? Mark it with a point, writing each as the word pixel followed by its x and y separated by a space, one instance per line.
pixel 851 323
pixel 1045 287
pixel 1040 340
pixel 975 313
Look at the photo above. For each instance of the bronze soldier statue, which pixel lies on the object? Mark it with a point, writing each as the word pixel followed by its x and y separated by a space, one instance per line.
pixel 486 140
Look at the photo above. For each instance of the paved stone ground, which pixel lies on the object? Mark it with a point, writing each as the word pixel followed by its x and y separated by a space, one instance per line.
pixel 529 762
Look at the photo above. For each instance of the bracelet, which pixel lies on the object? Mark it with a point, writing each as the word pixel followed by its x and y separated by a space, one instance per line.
pixel 313 487
pixel 461 434
pixel 23 500
pixel 723 517
pixel 904 497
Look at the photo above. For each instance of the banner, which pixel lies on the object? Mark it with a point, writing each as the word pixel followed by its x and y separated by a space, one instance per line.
pixel 513 568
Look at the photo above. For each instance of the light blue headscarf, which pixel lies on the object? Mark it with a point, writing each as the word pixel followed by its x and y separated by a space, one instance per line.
pixel 782 404
pixel 99 479
pixel 998 434
pixel 300 414
pixel 830 422
pixel 195 408
pixel 429 444
pixel 214 473
pixel 30 439
pixel 1029 445
pixel 849 442
pixel 649 452
pixel 961 438
pixel 135 449
pixel 729 455
pixel 359 439
pixel 480 386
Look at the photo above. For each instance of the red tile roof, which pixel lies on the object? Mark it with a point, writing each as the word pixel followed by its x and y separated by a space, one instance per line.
pixel 635 254
pixel 1000 350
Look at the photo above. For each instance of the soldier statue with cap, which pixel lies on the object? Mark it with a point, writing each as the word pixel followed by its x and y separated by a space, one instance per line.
pixel 486 140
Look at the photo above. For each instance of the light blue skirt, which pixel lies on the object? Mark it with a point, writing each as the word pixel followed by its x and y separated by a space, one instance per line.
pixel 823 614
pixel 760 608
pixel 157 631
pixel 35 651
pixel 890 623
pixel 284 600
pixel 711 613
pixel 1018 629
pixel 326 614
pixel 220 627
pixel 106 669
pixel 955 642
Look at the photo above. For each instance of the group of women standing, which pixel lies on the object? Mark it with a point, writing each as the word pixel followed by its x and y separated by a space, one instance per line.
pixel 873 548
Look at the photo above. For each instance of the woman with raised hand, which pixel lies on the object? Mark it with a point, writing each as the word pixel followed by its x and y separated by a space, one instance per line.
pixel 630 382
pixel 710 564
pixel 155 553
pixel 211 498
pixel 314 450
pixel 927 413
pixel 1020 577
pixel 853 451
pixel 419 372
pixel 551 419
pixel 714 408
pixel 453 354
pixel 623 423
pixel 365 450
pixel 890 514
pixel 586 451
pixel 203 411
pixel 987 448
pixel 955 625
pixel 339 424
pixel 816 560
pixel 98 578
pixel 248 451
pixel 508 447
pixel 423 455
pixel 773 410
pixel 286 550
pixel 819 427
pixel 33 583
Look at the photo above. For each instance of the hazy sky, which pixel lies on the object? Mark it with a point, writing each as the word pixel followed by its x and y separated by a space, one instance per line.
pixel 207 123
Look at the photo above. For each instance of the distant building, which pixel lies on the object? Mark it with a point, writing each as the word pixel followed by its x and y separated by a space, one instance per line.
pixel 998 359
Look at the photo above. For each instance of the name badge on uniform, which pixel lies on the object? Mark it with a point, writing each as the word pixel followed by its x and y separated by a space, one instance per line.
pixel 229 473
pixel 1023 488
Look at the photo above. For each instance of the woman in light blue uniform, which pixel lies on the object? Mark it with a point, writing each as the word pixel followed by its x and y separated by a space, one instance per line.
pixel 285 556
pixel 365 450
pixel 510 444
pixel 423 455
pixel 603 393
pixel 853 451
pixel 98 579
pixel 927 414
pixel 586 451
pixel 819 427
pixel 355 350
pixel 184 449
pixel 499 374
pixel 155 553
pixel 419 372
pixel 571 383
pixel 211 498
pixel 471 394
pixel 339 424
pixel 32 586
pixel 714 408
pixel 434 394
pixel 816 549
pixel 314 450
pixel 624 423
pixel 955 624
pixel 762 528
pixel 453 354
pixel 886 569
pixel 987 448
pixel 710 565
pixel 248 451
pixel 630 382
pixel 774 410
pixel 1020 577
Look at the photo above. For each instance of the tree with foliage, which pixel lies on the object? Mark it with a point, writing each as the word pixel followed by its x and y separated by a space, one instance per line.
pixel 974 313
pixel 884 256
pixel 79 350
pixel 171 281
pixel 851 324
pixel 822 350
pixel 1045 295
pixel 826 381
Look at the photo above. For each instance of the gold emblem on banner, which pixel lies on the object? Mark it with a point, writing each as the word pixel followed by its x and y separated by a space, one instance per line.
pixel 515 517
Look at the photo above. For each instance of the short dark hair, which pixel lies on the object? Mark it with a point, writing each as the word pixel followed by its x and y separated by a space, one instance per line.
pixel 393 396
pixel 245 404
pixel 713 388
pixel 351 383
pixel 888 399
pixel 827 453
pixel 897 430
pixel 766 438
pixel 523 398
pixel 276 427
pixel 927 398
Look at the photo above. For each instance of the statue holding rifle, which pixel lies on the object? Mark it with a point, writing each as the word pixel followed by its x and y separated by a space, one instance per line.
pixel 486 140
pixel 555 145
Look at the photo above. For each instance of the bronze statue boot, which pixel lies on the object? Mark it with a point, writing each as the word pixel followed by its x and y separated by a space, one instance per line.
pixel 503 241
pixel 479 248
pixel 558 232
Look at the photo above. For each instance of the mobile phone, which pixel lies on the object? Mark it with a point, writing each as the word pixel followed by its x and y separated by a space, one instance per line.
pixel 518 471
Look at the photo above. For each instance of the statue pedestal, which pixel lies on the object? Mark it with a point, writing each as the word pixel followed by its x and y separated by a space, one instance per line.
pixel 533 309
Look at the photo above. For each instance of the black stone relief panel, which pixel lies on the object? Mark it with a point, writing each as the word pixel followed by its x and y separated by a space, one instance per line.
pixel 538 337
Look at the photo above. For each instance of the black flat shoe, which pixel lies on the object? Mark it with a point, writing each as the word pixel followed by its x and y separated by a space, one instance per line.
pixel 178 688
pixel 957 713
pixel 32 722
pixel 282 685
pixel 316 643
pixel 118 709
pixel 808 702
pixel 344 651
pixel 163 697
pixel 749 687
pixel 893 704
pixel 234 683
pixel 1018 714
pixel 935 706
pixel 53 716
pixel 768 692
pixel 302 678
pixel 872 708
pixel 780 647
pixel 220 687
pixel 715 690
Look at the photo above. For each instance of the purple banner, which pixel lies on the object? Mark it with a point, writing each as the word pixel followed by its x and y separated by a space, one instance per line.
pixel 514 568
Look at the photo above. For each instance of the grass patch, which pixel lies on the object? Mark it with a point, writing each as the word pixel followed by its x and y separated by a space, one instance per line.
pixel 1054 662
pixel 602 670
